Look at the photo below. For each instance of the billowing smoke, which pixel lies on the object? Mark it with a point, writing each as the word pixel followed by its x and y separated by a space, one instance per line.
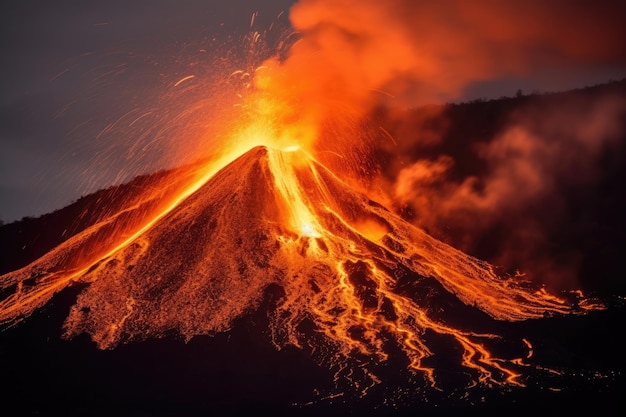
pixel 535 193
pixel 352 56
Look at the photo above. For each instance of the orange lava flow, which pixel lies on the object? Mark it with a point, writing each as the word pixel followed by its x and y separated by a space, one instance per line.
pixel 344 263
pixel 354 300
pixel 73 259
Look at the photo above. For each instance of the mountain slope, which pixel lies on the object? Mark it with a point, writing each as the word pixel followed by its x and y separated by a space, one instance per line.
pixel 351 282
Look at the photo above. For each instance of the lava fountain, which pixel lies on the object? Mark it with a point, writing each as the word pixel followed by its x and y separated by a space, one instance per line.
pixel 271 211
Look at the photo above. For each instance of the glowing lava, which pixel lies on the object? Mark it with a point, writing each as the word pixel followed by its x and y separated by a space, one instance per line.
pixel 356 274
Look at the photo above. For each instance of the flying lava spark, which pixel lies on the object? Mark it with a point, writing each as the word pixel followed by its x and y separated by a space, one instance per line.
pixel 277 209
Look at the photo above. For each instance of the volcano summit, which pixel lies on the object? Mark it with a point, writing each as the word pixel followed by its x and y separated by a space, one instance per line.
pixel 337 276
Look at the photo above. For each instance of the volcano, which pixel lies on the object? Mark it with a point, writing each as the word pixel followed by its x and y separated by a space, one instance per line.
pixel 367 298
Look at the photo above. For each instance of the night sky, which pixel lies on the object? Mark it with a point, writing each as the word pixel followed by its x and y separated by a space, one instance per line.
pixel 71 68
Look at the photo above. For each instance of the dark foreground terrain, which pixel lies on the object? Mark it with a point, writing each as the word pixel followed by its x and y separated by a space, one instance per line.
pixel 240 371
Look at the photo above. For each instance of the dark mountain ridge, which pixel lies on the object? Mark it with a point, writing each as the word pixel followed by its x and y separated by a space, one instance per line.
pixel 581 220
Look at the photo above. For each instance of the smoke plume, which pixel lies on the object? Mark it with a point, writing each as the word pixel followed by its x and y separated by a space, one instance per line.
pixel 541 177
pixel 352 56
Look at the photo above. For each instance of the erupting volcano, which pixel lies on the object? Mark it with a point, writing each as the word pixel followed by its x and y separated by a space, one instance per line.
pixel 279 212
pixel 352 282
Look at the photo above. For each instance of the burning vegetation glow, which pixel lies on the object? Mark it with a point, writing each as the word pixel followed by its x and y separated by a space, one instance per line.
pixel 280 201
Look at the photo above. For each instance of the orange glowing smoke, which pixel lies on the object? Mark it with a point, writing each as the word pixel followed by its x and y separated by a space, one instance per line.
pixel 352 54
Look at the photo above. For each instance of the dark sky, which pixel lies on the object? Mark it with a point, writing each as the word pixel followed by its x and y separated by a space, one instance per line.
pixel 68 66
pixel 73 67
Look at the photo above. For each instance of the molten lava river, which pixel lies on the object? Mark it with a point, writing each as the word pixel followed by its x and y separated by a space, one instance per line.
pixel 354 284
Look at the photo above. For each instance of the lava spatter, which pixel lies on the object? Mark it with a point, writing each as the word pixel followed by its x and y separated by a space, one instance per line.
pixel 353 277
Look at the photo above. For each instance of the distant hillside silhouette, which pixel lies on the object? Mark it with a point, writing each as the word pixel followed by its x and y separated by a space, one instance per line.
pixel 590 225
pixel 27 239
